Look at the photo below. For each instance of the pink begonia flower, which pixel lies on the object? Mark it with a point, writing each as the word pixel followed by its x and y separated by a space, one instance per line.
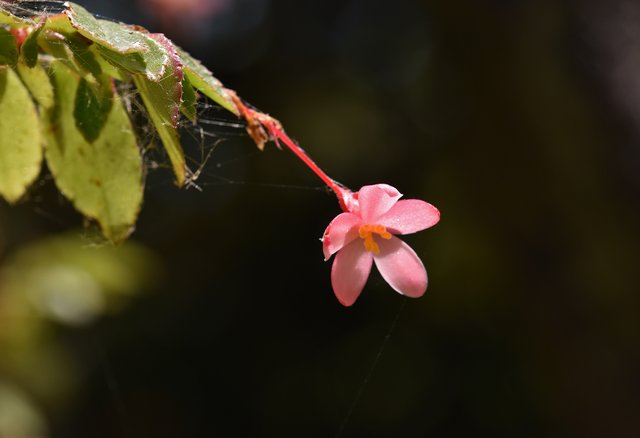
pixel 365 234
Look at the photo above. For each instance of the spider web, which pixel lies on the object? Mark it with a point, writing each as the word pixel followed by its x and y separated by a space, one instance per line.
pixel 32 8
pixel 214 141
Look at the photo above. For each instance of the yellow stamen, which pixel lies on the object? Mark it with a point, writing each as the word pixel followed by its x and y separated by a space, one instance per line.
pixel 366 233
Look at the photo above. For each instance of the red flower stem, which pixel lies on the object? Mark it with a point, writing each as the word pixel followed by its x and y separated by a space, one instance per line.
pixel 257 122
pixel 341 192
pixel 300 153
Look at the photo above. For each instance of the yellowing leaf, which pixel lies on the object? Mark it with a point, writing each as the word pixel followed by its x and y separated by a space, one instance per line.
pixel 20 137
pixel 38 83
pixel 103 179
pixel 58 23
pixel 8 18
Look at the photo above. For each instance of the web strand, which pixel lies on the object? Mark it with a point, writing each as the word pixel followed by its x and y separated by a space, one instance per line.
pixel 367 378
pixel 32 8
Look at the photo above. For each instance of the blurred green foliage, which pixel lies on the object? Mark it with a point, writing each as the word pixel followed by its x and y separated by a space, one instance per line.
pixel 59 282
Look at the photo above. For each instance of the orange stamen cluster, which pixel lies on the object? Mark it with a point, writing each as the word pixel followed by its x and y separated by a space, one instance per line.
pixel 366 233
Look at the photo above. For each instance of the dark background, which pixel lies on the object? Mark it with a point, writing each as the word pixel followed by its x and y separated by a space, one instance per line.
pixel 517 119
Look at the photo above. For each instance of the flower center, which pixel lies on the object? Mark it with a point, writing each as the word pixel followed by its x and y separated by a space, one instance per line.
pixel 366 233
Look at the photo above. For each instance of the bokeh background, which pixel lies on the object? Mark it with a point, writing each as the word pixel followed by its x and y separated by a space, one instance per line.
pixel 519 119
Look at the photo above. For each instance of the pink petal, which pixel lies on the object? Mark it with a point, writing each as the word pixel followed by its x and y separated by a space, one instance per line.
pixel 409 216
pixel 350 271
pixel 349 200
pixel 401 267
pixel 376 200
pixel 340 232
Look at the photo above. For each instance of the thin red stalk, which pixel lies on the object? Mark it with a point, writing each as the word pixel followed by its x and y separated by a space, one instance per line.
pixel 297 150
pixel 341 193
pixel 258 121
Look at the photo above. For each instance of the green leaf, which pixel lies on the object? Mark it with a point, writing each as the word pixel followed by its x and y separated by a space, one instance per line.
pixel 20 137
pixel 84 58
pixel 55 46
pixel 162 100
pixel 108 68
pixel 8 48
pixel 38 83
pixel 120 44
pixel 113 36
pixel 79 53
pixel 29 49
pixel 189 100
pixel 92 107
pixel 151 64
pixel 151 61
pixel 103 179
pixel 204 81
